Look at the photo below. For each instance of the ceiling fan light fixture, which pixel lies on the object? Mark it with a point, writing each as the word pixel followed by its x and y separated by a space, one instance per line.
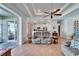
pixel 51 16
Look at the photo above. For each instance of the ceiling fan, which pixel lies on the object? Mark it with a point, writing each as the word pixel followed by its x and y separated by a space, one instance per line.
pixel 54 13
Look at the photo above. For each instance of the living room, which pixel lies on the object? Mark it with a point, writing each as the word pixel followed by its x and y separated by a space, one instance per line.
pixel 45 30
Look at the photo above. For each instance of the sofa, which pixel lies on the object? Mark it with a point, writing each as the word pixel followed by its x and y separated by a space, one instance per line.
pixel 67 50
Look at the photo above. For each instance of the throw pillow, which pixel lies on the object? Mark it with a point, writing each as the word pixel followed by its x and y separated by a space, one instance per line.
pixel 68 44
pixel 75 44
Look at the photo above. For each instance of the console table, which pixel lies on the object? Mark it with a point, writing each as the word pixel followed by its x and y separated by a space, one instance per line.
pixel 55 37
pixel 55 40
pixel 5 52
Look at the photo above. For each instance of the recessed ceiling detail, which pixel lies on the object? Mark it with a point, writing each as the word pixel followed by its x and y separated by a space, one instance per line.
pixel 4 12
pixel 38 9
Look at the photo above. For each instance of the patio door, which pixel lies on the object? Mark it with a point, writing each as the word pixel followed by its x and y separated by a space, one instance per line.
pixel 12 30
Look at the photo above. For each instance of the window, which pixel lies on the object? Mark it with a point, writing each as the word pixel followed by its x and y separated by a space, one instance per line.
pixel 12 33
pixel 76 27
pixel 0 30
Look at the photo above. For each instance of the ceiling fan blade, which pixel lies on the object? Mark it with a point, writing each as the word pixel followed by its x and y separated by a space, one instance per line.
pixel 58 14
pixel 45 15
pixel 47 12
pixel 55 11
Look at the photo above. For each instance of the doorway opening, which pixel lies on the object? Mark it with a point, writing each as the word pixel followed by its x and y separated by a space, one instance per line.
pixel 59 29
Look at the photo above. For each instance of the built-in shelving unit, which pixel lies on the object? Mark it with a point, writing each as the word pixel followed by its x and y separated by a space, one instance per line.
pixel 41 36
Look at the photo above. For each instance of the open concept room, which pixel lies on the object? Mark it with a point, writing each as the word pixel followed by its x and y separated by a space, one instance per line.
pixel 39 29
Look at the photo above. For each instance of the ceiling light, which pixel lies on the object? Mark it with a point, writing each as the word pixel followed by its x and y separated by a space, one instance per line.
pixel 39 10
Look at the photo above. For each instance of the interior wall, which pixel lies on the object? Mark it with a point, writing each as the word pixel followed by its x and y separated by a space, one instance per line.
pixel 54 26
pixel 67 27
pixel 27 27
pixel 63 28
pixel 24 30
pixel 41 25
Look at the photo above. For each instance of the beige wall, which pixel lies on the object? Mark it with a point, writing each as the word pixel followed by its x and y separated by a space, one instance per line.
pixel 24 30
pixel 54 26
pixel 67 27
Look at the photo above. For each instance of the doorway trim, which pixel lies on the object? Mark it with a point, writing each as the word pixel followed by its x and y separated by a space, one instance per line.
pixel 19 39
pixel 59 30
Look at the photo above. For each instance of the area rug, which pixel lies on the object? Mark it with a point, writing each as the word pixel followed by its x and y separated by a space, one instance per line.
pixel 11 45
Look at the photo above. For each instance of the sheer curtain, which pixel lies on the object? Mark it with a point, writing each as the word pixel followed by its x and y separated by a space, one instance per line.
pixel 0 30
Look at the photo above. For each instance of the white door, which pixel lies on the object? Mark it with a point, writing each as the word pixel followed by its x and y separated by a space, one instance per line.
pixel 12 30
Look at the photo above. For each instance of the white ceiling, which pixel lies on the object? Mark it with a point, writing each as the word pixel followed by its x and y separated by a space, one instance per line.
pixel 38 9
pixel 47 6
pixel 31 9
